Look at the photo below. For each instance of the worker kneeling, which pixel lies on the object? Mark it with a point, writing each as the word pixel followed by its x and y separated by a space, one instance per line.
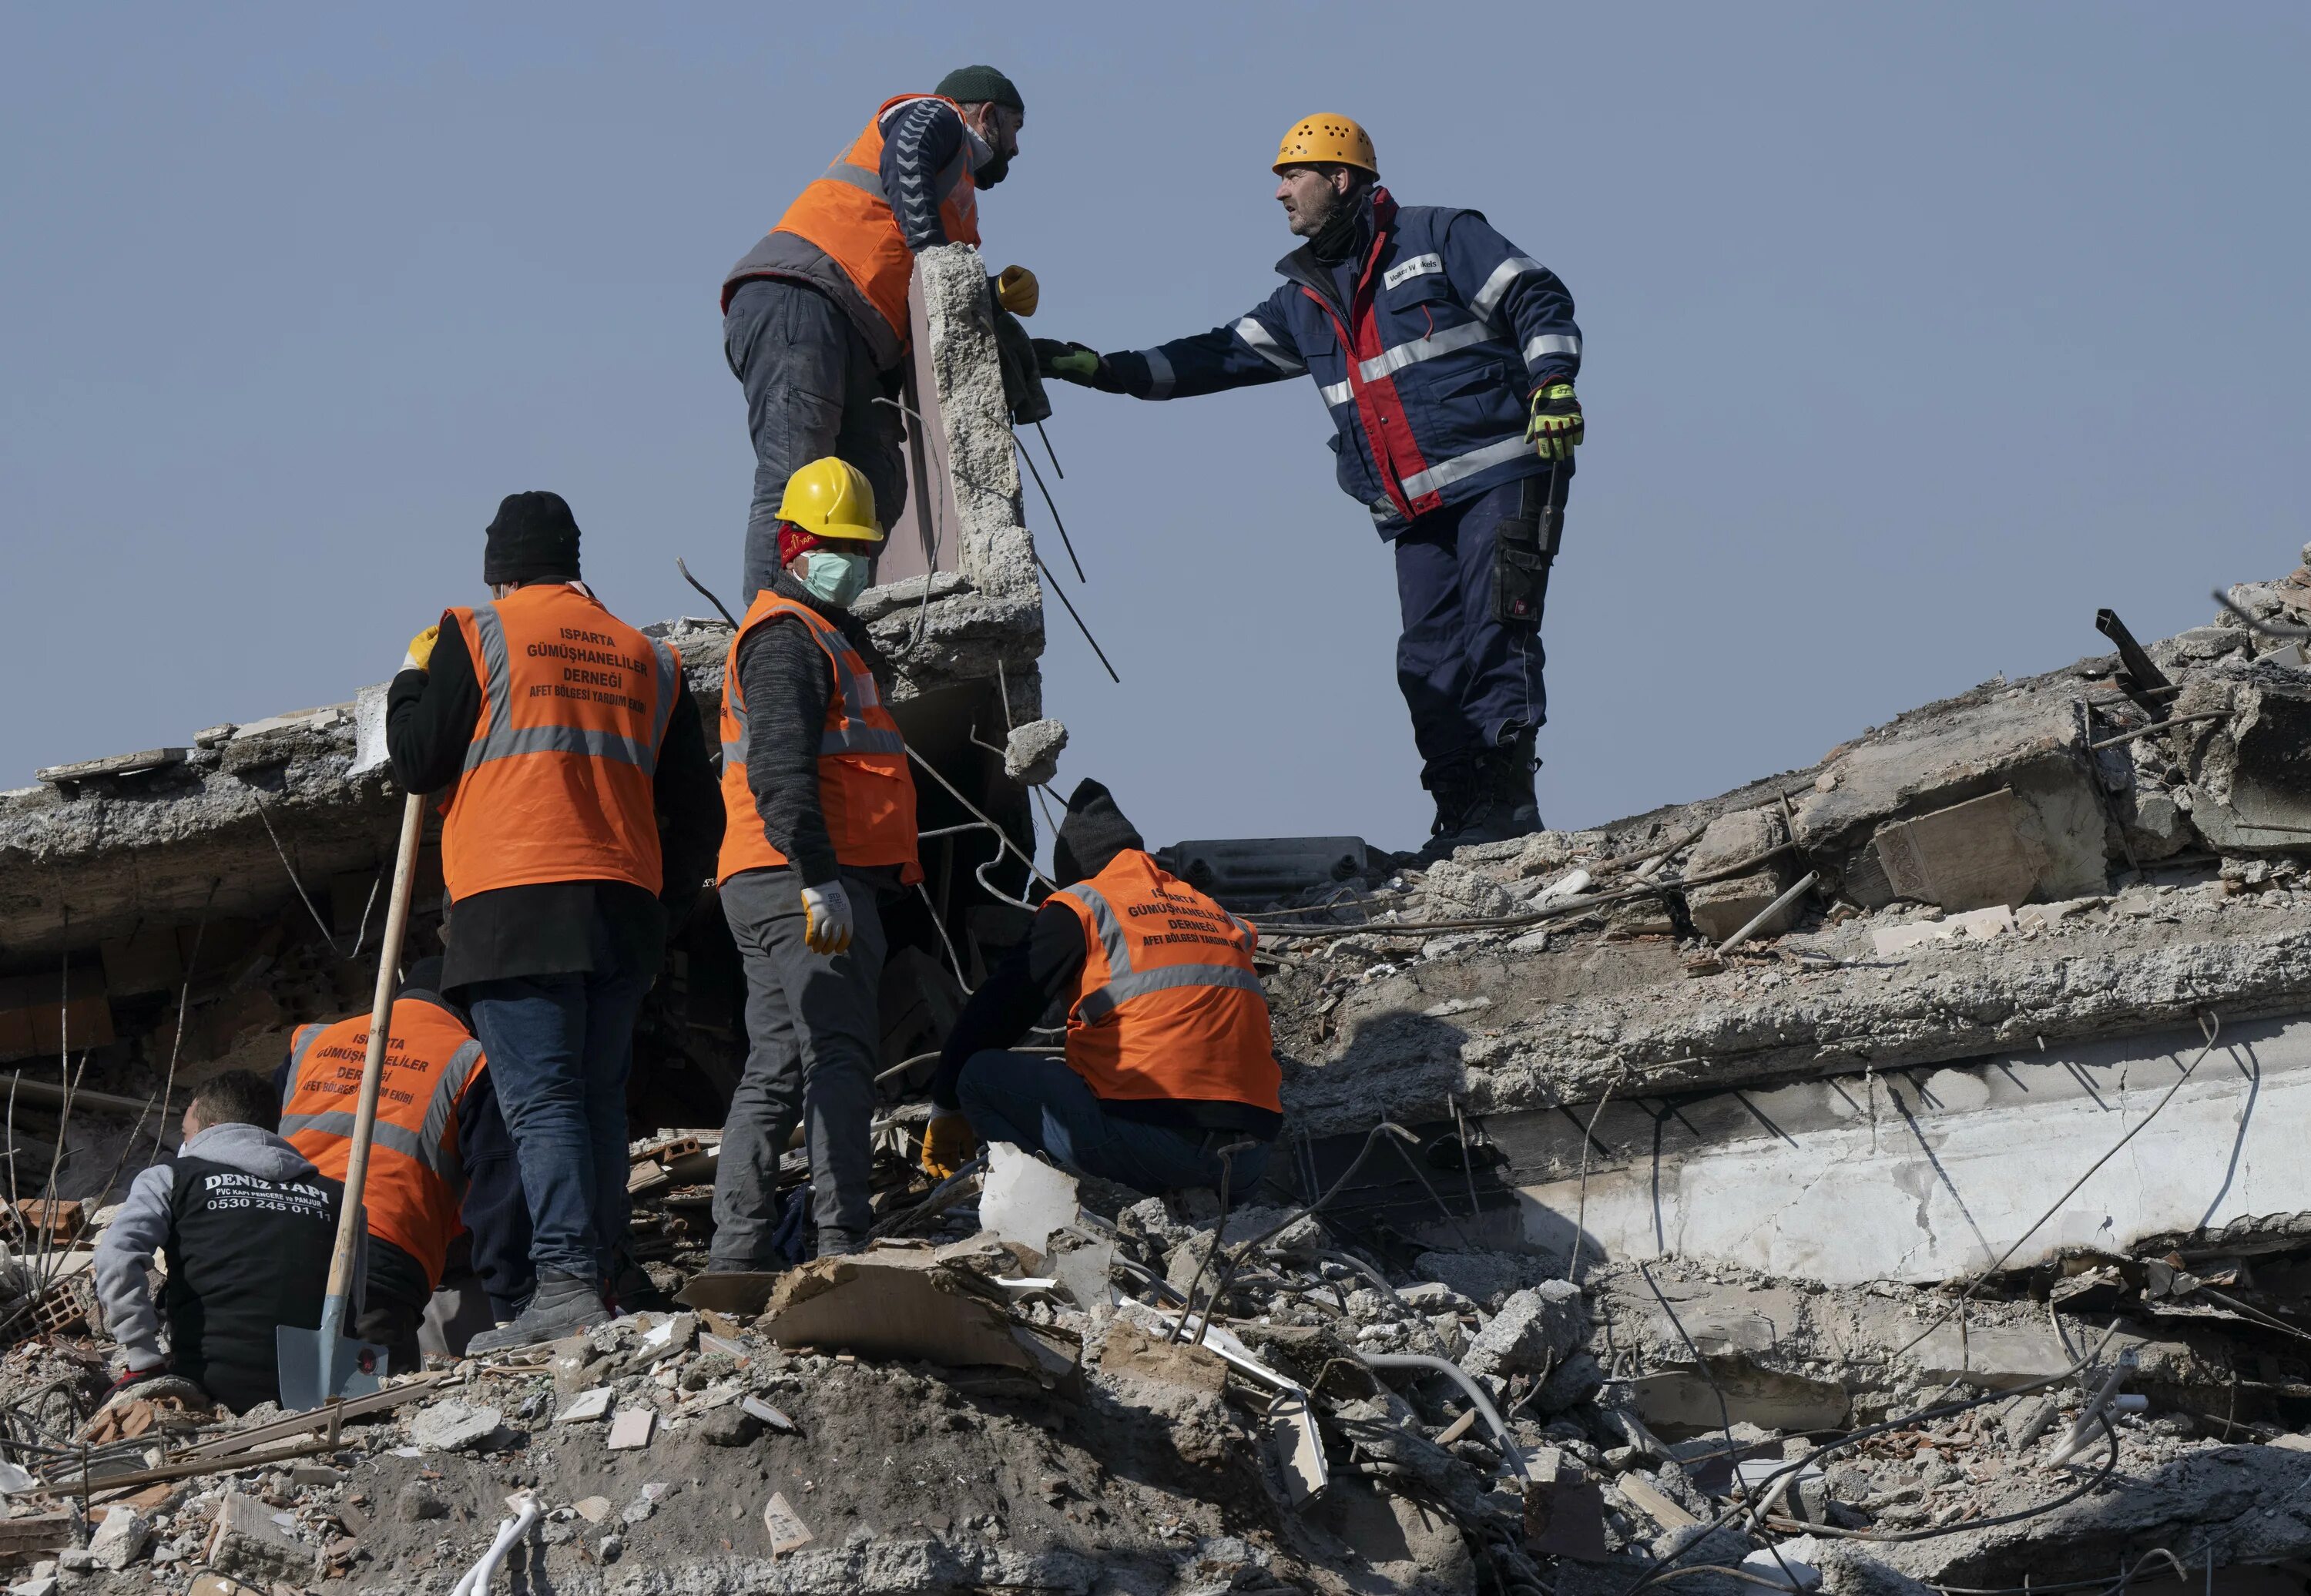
pixel 247 1224
pixel 431 1126
pixel 1170 1066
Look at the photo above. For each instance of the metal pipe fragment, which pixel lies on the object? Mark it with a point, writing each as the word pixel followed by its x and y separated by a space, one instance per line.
pixel 1510 1452
pixel 1804 886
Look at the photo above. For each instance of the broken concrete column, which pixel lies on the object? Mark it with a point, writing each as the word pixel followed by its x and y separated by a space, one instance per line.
pixel 1721 908
pixel 995 552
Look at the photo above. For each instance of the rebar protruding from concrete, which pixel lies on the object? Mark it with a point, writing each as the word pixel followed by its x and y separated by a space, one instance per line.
pixel 1510 1452
pixel 2083 1430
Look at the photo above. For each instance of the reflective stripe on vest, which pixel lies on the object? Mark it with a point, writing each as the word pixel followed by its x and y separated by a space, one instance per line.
pixel 427 1145
pixel 1124 984
pixel 503 739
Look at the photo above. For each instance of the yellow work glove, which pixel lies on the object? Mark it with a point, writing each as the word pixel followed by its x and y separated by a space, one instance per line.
pixel 949 1144
pixel 826 923
pixel 1017 291
pixel 420 649
pixel 1556 429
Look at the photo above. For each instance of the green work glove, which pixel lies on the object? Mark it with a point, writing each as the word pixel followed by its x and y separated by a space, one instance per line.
pixel 1074 362
pixel 1556 429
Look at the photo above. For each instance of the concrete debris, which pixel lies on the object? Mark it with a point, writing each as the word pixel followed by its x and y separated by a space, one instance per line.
pixel 454 1426
pixel 120 1538
pixel 1534 1332
pixel 1030 754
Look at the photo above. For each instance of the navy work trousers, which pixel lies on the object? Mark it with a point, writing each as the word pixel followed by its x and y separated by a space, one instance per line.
pixel 560 1048
pixel 1471 682
pixel 811 390
pixel 1036 1102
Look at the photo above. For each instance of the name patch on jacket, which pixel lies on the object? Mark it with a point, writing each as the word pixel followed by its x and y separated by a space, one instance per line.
pixel 231 1191
pixel 1404 271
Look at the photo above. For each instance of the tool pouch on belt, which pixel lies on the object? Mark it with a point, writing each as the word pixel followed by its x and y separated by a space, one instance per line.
pixel 1524 545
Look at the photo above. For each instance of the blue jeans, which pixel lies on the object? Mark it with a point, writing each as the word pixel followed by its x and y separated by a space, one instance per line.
pixel 1470 682
pixel 1039 1103
pixel 560 1048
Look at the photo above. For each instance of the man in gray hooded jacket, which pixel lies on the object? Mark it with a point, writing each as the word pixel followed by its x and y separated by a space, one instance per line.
pixel 247 1225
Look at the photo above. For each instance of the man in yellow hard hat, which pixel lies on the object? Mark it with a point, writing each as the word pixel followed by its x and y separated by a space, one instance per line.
pixel 820 824
pixel 815 316
pixel 1446 356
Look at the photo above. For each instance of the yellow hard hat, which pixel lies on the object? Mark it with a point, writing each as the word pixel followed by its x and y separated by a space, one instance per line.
pixel 831 497
pixel 1327 138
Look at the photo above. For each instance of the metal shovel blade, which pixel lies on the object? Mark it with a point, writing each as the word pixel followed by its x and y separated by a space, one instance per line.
pixel 356 1369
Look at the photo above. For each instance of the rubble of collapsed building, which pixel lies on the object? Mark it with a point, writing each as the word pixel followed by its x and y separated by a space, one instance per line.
pixel 1882 1177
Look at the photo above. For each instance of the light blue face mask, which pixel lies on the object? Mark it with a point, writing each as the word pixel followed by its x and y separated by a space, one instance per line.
pixel 834 577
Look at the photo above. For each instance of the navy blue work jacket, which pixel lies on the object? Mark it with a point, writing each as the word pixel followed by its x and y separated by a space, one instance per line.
pixel 1426 353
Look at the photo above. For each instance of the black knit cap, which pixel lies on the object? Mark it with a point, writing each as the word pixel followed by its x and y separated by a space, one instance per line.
pixel 534 538
pixel 1093 832
pixel 967 85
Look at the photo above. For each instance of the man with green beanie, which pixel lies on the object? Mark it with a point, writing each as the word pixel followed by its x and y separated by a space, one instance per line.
pixel 815 316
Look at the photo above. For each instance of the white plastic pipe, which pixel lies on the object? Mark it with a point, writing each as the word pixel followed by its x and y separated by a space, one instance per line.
pixel 477 1579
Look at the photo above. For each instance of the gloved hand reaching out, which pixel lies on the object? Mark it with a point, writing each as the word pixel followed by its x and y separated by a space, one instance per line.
pixel 1077 363
pixel 1017 291
pixel 827 921
pixel 949 1144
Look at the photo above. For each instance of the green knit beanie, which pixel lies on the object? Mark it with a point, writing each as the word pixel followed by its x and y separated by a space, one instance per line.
pixel 967 85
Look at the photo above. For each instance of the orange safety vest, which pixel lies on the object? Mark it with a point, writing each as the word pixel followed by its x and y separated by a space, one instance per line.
pixel 1167 1003
pixel 845 212
pixel 558 780
pixel 415 1178
pixel 864 789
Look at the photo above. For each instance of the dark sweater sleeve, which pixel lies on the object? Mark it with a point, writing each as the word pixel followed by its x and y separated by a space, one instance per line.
pixel 788 683
pixel 689 802
pixel 919 142
pixel 429 716
pixel 1032 977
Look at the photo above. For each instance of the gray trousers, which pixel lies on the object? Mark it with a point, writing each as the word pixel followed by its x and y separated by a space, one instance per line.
pixel 811 386
pixel 815 1036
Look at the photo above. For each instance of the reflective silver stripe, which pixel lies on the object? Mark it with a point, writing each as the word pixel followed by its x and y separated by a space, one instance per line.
pixel 497 675
pixel 1105 922
pixel 443 1108
pixel 562 739
pixel 1551 343
pixel 1264 346
pixel 1467 465
pixel 858 177
pixel 1419 266
pixel 299 1046
pixel 735 753
pixel 1159 374
pixel 1507 272
pixel 862 739
pixel 400 1138
pixel 1424 349
pixel 1171 978
pixel 1336 393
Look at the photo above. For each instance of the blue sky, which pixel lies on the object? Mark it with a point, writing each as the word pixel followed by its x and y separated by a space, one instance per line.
pixel 1915 335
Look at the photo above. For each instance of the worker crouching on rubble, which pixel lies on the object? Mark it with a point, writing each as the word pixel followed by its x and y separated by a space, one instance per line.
pixel 1170 1079
pixel 579 820
pixel 438 1162
pixel 819 824
pixel 247 1225
pixel 1446 357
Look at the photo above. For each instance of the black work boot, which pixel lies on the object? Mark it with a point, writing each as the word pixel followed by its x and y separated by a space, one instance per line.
pixel 563 1305
pixel 1458 787
pixel 1508 806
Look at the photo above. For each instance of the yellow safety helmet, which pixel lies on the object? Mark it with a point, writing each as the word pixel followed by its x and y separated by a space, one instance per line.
pixel 1327 138
pixel 831 497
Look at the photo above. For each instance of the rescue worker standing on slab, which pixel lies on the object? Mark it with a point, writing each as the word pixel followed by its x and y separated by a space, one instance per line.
pixel 581 815
pixel 1446 357
pixel 1170 1079
pixel 819 823
pixel 418 1195
pixel 815 317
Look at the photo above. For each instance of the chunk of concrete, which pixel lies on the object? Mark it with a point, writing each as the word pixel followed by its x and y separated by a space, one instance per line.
pixel 1990 849
pixel 121 1539
pixel 1535 1331
pixel 1030 754
pixel 246 1545
pixel 585 1407
pixel 787 1530
pixel 630 1431
pixel 1721 908
pixel 454 1426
